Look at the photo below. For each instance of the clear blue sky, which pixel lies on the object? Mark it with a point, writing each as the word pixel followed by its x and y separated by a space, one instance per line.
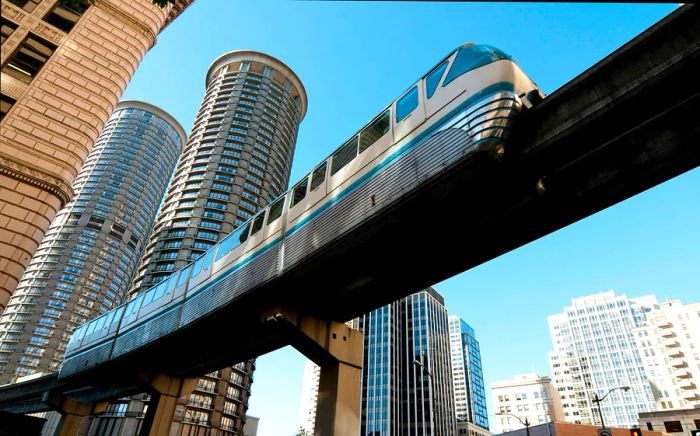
pixel 354 58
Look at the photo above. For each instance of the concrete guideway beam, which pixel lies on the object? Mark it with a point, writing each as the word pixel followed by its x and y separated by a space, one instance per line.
pixel 165 391
pixel 73 412
pixel 338 350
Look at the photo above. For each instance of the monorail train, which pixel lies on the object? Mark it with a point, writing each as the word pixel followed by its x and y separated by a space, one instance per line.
pixel 465 104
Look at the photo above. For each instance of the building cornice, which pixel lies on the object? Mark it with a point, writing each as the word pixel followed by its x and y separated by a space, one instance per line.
pixel 36 177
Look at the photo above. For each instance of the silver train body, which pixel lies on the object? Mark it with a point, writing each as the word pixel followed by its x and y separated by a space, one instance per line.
pixel 466 103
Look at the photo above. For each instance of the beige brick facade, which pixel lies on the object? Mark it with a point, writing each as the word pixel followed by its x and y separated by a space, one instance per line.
pixel 49 130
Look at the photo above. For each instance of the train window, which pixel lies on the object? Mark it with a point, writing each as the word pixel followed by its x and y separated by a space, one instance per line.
pixel 258 223
pixel 91 327
pixel 275 211
pixel 433 79
pixel 318 176
pixel 133 306
pixel 406 104
pixel 243 236
pixel 183 276
pixel 472 57
pixel 117 314
pixel 299 192
pixel 208 259
pixel 171 284
pixel 228 244
pixel 374 131
pixel 197 267
pixel 77 335
pixel 100 323
pixel 344 155
pixel 159 291
pixel 148 296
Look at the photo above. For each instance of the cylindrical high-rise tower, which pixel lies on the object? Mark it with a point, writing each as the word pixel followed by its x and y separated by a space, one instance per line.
pixel 86 262
pixel 237 160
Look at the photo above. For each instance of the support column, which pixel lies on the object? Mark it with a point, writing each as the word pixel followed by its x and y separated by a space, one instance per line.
pixel 338 350
pixel 161 410
pixel 73 412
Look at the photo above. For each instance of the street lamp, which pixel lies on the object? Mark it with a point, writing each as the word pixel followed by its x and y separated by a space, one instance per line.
pixel 526 423
pixel 430 389
pixel 599 400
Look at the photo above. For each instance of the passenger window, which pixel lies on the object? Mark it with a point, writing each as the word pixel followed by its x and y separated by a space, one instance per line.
pixel 183 276
pixel 433 79
pixel 244 233
pixel 197 268
pixel 149 295
pixel 318 176
pixel 299 192
pixel 91 327
pixel 344 155
pixel 208 259
pixel 258 223
pixel 407 104
pixel 100 323
pixel 374 131
pixel 275 211
pixel 117 314
pixel 160 290
pixel 171 284
pixel 472 57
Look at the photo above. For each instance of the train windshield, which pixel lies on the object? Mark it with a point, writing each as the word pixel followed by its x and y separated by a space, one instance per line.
pixel 472 57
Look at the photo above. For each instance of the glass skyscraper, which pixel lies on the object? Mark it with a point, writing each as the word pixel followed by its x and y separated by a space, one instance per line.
pixel 406 378
pixel 467 374
pixel 88 258
pixel 595 351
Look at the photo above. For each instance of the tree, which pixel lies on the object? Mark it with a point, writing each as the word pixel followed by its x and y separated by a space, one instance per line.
pixel 302 432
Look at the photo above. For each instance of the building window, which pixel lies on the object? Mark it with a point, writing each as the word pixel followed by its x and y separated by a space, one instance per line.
pixel 7 28
pixel 64 16
pixel 673 426
pixel 27 5
pixel 30 56
pixel 649 426
pixel 5 104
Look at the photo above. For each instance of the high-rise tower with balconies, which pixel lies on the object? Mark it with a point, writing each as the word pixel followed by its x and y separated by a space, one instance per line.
pixel 237 160
pixel 88 258
pixel 64 67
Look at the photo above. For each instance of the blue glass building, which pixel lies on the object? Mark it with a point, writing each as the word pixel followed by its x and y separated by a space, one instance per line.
pixel 406 378
pixel 467 375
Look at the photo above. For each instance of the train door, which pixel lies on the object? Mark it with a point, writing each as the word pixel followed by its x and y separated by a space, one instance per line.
pixel 296 199
pixel 409 111
pixel 317 186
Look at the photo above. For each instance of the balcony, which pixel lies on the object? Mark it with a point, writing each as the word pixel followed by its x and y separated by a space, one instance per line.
pixel 690 395
pixel 675 352
pixel 682 373
pixel 671 343
pixel 686 384
pixel 667 333
pixel 664 324
pixel 677 362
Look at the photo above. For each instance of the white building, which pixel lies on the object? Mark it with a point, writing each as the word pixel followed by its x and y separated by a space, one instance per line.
pixel 309 397
pixel 530 397
pixel 595 351
pixel 670 348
